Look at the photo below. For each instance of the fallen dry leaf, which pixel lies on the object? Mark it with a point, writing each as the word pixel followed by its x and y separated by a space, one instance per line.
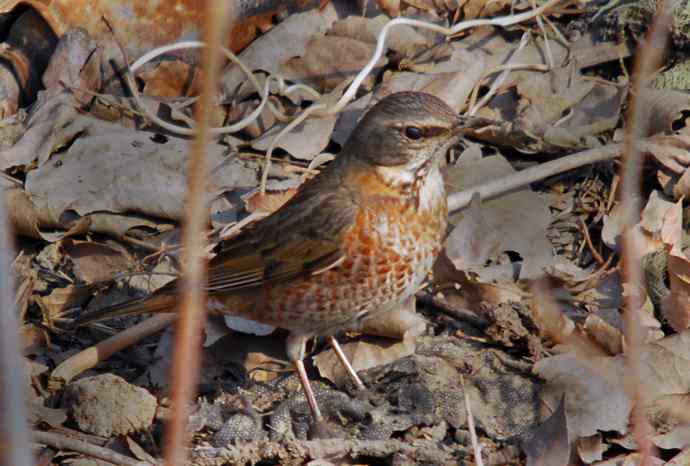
pixel 311 136
pixel 288 39
pixel 647 233
pixel 593 403
pixel 329 60
pixel 304 142
pixel 96 262
pixel 51 126
pixel 172 78
pixel 363 354
pixel 270 201
pixel 675 307
pixel 546 112
pixel 677 439
pixel 76 65
pixel 470 9
pixel 591 449
pixel 247 326
pixel 61 299
pixel 516 222
pixel 401 323
pixel 548 444
pixel 667 109
pixel 121 170
pixel 404 40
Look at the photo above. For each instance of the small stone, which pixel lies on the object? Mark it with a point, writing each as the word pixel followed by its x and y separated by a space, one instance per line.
pixel 108 405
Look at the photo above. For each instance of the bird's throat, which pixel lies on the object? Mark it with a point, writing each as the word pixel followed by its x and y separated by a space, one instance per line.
pixel 422 186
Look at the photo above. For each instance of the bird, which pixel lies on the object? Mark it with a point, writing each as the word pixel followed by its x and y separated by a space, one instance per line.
pixel 355 241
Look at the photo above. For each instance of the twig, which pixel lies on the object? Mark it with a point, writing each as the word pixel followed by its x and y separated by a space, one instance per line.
pixel 185 367
pixel 453 311
pixel 62 442
pixel 88 358
pixel 588 239
pixel 300 118
pixel 647 60
pixel 14 436
pixel 501 21
pixel 476 447
pixel 317 110
pixel 504 185
pixel 507 68
pixel 540 23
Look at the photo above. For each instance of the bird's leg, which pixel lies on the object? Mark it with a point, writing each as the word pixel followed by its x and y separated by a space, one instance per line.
pixel 296 347
pixel 348 367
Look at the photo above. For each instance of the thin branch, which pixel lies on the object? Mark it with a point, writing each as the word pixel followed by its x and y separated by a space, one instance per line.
pixel 88 358
pixel 476 447
pixel 504 185
pixel 501 21
pixel 185 369
pixel 14 436
pixel 62 442
pixel 647 60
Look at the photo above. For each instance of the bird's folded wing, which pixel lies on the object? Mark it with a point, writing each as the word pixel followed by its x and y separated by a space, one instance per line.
pixel 283 246
pixel 253 268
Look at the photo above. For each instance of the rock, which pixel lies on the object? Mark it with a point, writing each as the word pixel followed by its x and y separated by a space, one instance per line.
pixel 108 405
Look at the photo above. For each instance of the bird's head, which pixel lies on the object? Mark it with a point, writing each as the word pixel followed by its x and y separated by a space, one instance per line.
pixel 405 131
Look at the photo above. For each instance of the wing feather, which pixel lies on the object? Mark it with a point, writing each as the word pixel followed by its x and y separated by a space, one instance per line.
pixel 301 238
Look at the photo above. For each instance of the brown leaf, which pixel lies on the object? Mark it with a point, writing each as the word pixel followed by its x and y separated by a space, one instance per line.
pixel 515 222
pixel 288 39
pixel 304 142
pixel 329 60
pixel 548 444
pixel 366 352
pixel 666 109
pixel 363 354
pixel 391 7
pixel 61 299
pixel 170 78
pixel 591 448
pixel 469 292
pixel 75 64
pixel 604 334
pixel 593 400
pixel 402 39
pixel 259 355
pixel 675 307
pixel 96 262
pixel 470 9
pixel 121 170
pixel 32 338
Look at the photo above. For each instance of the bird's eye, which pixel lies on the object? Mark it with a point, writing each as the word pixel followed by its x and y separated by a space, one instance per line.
pixel 413 132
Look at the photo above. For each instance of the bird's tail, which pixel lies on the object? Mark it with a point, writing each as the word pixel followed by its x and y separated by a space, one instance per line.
pixel 150 304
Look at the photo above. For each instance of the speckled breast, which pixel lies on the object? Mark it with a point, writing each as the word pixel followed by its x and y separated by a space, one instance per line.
pixel 388 252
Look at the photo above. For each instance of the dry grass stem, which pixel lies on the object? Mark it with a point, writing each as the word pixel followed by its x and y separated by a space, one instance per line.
pixel 506 184
pixel 185 368
pixel 647 60
pixel 476 447
pixel 62 442
pixel 14 436
pixel 88 358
